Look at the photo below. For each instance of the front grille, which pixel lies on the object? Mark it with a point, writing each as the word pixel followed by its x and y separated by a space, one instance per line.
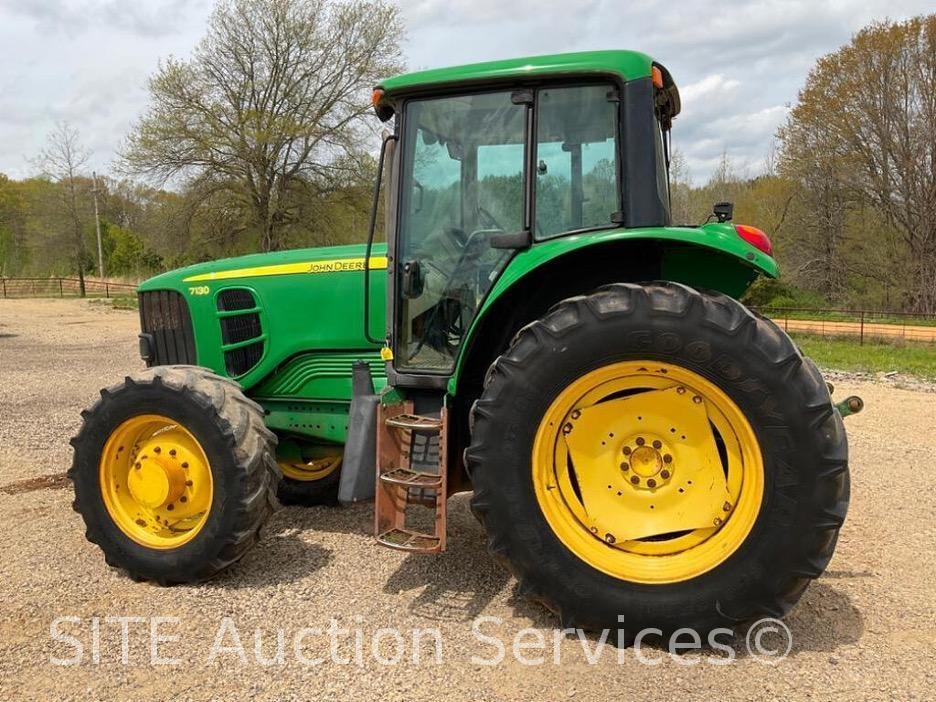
pixel 164 315
pixel 240 328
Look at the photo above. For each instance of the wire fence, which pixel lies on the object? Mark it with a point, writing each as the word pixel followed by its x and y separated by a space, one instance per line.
pixel 61 287
pixel 864 324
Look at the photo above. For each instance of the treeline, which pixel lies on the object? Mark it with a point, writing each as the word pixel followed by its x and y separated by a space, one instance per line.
pixel 145 230
pixel 863 265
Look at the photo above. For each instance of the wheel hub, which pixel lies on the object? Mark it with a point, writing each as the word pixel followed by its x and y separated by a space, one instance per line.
pixel 647 461
pixel 634 490
pixel 615 429
pixel 155 481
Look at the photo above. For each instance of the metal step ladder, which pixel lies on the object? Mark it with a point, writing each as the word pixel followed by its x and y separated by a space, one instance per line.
pixel 402 481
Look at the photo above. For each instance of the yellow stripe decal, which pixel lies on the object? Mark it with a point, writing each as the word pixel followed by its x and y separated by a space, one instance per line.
pixel 333 265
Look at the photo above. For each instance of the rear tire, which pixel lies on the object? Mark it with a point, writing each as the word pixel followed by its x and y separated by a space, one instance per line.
pixel 239 450
pixel 780 393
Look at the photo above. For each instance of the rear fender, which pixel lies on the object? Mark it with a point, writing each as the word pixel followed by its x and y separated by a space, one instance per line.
pixel 709 257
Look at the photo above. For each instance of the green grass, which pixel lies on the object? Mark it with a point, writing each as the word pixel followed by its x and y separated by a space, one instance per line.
pixel 126 302
pixel 845 353
pixel 119 302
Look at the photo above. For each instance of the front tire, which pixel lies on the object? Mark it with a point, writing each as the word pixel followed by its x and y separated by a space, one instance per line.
pixel 550 501
pixel 174 474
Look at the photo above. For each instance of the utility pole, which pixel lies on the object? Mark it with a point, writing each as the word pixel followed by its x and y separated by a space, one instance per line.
pixel 97 226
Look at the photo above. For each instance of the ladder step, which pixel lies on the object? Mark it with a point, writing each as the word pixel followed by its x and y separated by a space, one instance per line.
pixel 411 478
pixel 406 540
pixel 414 421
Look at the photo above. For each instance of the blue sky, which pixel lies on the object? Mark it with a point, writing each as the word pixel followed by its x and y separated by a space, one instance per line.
pixel 739 64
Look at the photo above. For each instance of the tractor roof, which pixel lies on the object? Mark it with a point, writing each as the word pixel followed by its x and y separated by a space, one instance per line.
pixel 626 64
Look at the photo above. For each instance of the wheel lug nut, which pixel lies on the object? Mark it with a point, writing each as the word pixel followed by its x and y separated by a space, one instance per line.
pixel 183 499
pixel 626 450
pixel 651 483
pixel 681 390
pixel 170 507
pixel 157 450
pixel 567 428
pixel 640 441
pixel 184 464
pixel 697 399
pixel 718 521
pixel 625 466
pixel 665 475
pixel 635 479
pixel 172 452
pixel 610 538
pixel 667 458
pixel 138 465
pixel 576 414
pixel 657 444
pixel 727 506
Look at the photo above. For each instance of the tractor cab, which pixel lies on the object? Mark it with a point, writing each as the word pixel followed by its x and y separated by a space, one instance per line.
pixel 492 159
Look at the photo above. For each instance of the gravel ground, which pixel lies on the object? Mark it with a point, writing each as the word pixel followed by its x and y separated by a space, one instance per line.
pixel 865 630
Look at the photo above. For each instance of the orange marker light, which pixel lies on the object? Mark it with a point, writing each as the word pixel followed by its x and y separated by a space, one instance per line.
pixel 657 76
pixel 377 96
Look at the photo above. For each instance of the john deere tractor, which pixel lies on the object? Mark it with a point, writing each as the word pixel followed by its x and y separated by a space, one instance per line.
pixel 643 450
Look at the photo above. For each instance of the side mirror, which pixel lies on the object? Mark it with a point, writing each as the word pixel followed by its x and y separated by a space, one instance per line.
pixel 723 211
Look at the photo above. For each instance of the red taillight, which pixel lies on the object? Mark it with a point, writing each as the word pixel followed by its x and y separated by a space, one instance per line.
pixel 755 237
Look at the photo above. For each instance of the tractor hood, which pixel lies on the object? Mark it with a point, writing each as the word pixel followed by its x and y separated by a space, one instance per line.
pixel 250 314
pixel 253 266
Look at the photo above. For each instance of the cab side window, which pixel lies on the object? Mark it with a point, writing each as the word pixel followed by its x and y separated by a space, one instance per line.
pixel 576 177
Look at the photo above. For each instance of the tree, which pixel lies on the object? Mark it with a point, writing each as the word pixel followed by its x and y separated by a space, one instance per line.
pixel 13 253
pixel 62 160
pixel 863 135
pixel 270 105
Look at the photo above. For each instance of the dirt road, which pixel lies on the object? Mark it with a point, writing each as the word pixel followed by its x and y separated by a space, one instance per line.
pixel 865 630
pixel 870 330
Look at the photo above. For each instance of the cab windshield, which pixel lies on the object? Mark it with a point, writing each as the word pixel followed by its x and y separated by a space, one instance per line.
pixel 464 184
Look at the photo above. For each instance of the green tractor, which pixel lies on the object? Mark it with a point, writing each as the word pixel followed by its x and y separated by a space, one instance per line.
pixel 643 450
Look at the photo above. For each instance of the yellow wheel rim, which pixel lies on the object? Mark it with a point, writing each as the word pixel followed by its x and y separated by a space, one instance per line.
pixel 156 481
pixel 316 469
pixel 648 472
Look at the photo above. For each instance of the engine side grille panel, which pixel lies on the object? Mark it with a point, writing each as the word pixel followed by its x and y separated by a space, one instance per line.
pixel 164 314
pixel 240 328
pixel 239 361
pixel 236 299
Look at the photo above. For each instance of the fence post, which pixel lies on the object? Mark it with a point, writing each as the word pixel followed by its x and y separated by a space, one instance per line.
pixel 861 339
pixel 107 290
pixel 4 288
pixel 61 289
